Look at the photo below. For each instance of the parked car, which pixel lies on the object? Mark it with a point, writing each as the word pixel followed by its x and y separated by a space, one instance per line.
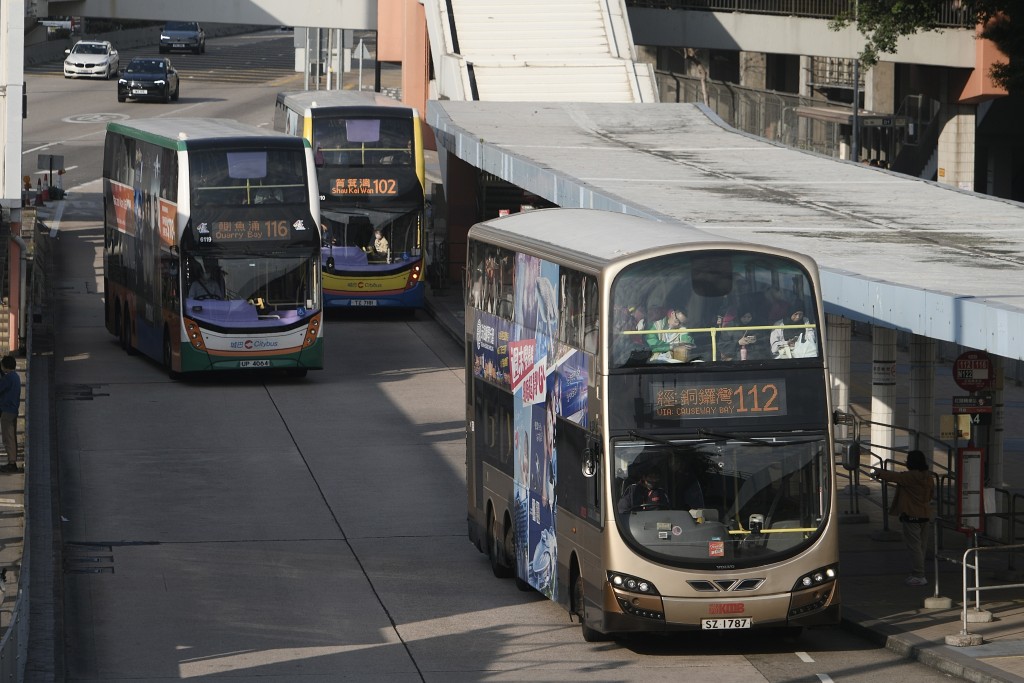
pixel 91 58
pixel 183 35
pixel 150 78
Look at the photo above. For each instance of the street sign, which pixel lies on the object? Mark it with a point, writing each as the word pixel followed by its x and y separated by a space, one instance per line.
pixel 970 508
pixel 50 162
pixel 972 371
pixel 969 405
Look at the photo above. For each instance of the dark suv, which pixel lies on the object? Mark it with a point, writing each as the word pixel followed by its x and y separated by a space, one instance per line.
pixel 183 35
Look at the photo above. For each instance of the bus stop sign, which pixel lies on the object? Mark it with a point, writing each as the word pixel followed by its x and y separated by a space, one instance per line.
pixel 972 371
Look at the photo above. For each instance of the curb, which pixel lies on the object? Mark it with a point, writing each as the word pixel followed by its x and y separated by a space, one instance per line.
pixel 937 656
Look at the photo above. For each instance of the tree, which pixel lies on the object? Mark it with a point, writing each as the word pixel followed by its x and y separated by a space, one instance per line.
pixel 884 22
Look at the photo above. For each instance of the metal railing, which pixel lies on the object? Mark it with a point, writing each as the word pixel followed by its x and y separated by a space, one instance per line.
pixel 977 588
pixel 947 14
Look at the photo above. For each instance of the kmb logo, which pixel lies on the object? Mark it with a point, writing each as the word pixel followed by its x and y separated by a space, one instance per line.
pixel 726 608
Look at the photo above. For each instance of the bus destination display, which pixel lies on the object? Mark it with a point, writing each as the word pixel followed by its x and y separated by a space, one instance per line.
pixel 675 400
pixel 236 231
pixel 367 187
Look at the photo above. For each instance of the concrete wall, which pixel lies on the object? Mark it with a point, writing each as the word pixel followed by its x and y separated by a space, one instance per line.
pixel 53 50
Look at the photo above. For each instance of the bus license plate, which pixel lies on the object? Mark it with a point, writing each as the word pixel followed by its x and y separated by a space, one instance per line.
pixel 722 624
pixel 254 363
pixel 363 302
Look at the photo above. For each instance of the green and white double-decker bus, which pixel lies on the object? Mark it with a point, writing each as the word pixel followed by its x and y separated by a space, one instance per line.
pixel 212 245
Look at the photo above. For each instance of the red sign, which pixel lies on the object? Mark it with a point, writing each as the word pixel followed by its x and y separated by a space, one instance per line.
pixel 972 405
pixel 972 371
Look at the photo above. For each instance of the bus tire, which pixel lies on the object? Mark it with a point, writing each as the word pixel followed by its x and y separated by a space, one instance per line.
pixel 298 373
pixel 167 357
pixel 126 333
pixel 517 574
pixel 579 606
pixel 499 568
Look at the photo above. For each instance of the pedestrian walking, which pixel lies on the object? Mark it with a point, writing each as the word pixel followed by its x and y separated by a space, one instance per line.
pixel 915 489
pixel 10 403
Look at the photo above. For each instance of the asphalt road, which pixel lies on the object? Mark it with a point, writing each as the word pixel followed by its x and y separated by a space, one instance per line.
pixel 274 529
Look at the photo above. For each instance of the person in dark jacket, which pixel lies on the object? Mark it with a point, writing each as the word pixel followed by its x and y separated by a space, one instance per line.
pixel 915 489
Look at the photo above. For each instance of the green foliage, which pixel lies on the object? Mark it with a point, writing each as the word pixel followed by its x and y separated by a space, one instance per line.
pixel 884 22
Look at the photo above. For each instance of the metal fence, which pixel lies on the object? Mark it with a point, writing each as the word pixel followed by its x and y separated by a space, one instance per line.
pixel 947 14
pixel 764 113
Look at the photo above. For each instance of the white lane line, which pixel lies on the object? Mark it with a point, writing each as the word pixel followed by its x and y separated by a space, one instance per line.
pixel 805 658
pixel 824 678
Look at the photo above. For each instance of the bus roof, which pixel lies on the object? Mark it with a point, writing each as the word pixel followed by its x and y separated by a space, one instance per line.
pixel 179 133
pixel 598 237
pixel 306 101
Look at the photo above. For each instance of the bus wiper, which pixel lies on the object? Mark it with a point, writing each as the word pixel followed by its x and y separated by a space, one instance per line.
pixel 716 436
pixel 665 442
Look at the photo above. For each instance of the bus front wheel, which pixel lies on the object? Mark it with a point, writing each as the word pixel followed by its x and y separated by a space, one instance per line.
pixel 168 361
pixel 580 610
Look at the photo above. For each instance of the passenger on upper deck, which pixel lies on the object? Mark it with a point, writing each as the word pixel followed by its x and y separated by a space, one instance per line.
pixel 793 342
pixel 668 346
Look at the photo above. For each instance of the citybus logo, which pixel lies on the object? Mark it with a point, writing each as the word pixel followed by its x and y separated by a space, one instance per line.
pixel 250 344
pixel 726 608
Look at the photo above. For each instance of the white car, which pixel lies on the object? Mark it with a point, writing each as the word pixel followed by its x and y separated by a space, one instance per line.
pixel 91 58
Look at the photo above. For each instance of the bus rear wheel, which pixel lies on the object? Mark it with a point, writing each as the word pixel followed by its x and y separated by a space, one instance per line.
pixel 495 552
pixel 126 333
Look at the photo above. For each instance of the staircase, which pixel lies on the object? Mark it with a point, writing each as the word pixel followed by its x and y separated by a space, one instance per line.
pixel 569 51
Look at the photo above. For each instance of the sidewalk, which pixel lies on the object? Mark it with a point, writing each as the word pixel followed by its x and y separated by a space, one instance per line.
pixel 873 564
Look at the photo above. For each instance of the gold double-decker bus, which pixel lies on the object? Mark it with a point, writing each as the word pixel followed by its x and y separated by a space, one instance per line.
pixel 649 429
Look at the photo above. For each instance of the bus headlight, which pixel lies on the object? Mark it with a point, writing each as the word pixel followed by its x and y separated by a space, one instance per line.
pixel 195 335
pixel 633 584
pixel 312 332
pixel 817 577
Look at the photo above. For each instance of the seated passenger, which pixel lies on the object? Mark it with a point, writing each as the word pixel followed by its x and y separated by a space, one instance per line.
pixel 380 244
pixel 669 346
pixel 793 342
pixel 645 494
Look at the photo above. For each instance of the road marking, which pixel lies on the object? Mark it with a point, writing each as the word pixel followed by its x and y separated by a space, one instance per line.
pixel 804 657
pixel 824 678
pixel 98 117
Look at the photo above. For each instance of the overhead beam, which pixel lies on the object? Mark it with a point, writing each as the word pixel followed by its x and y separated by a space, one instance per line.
pixel 350 14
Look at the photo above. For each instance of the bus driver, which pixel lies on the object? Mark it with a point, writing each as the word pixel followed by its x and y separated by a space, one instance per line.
pixel 209 284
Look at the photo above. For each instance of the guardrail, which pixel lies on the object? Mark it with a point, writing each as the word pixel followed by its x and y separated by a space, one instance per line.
pixel 947 15
pixel 980 616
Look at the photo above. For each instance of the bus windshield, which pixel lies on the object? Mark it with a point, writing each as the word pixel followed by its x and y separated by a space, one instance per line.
pixel 352 239
pixel 721 500
pixel 712 307
pixel 227 178
pixel 246 289
pixel 363 141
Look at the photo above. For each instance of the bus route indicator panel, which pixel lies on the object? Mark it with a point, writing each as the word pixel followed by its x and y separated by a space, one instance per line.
pixel 364 187
pixel 237 231
pixel 681 399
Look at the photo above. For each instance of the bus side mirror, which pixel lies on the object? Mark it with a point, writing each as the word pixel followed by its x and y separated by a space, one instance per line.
pixel 591 456
pixel 851 455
